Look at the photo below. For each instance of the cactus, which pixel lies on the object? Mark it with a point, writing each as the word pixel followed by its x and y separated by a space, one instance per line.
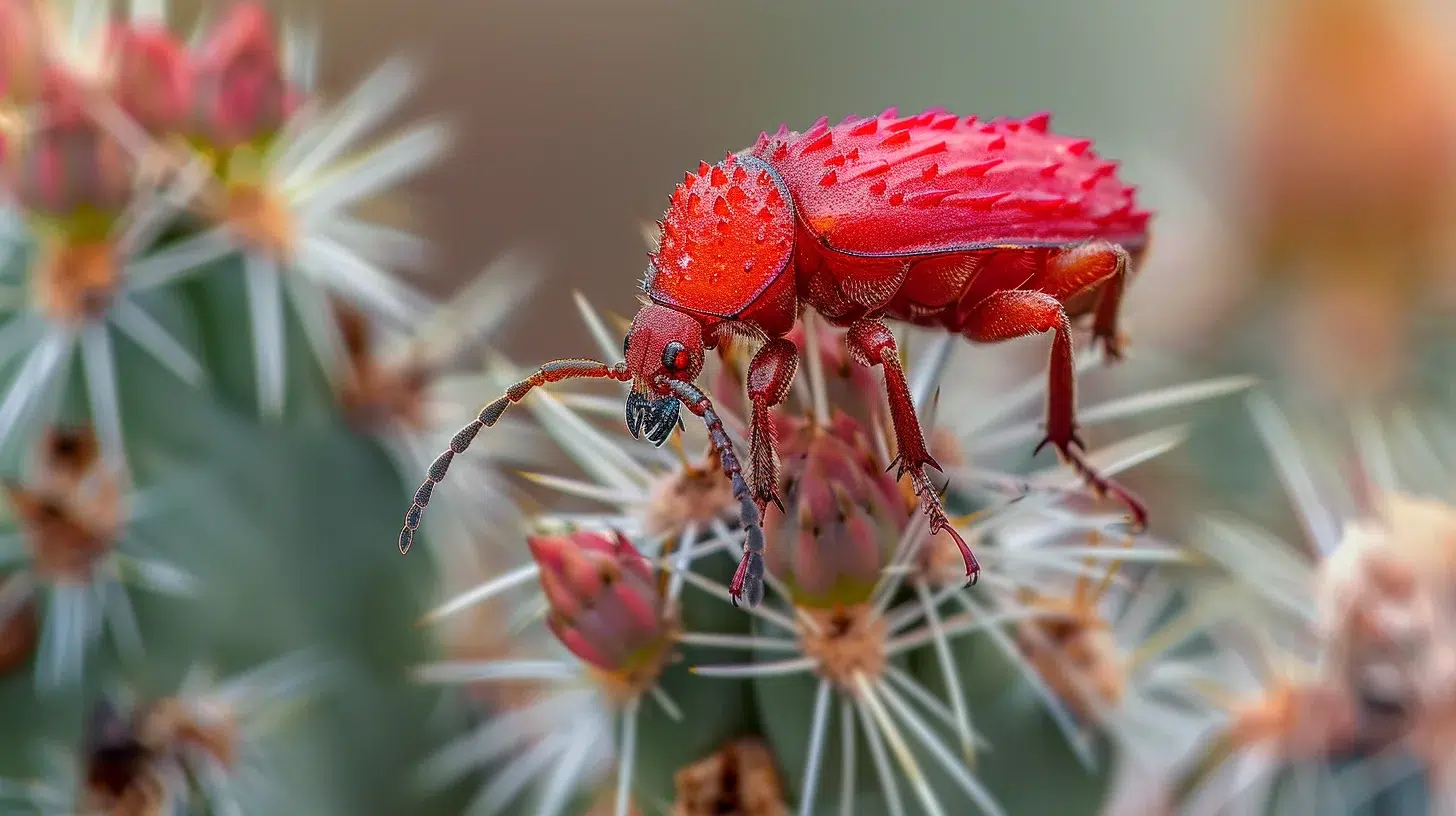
pixel 872 681
pixel 196 496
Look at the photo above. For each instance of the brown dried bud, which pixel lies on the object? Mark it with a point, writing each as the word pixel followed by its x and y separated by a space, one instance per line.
pixel 695 495
pixel 69 519
pixel 375 395
pixel 18 636
pixel 69 453
pixel 740 779
pixel 119 773
pixel 1074 652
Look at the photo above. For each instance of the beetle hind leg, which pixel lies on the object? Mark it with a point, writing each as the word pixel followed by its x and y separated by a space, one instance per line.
pixel 872 344
pixel 1098 265
pixel 1020 313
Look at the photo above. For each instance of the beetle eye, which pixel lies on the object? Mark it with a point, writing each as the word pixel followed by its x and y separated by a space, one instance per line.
pixel 626 343
pixel 675 356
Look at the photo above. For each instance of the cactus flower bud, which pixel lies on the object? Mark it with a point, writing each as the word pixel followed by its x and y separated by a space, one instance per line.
pixel 837 363
pixel 375 393
pixel 21 59
pixel 739 778
pixel 70 514
pixel 1383 596
pixel 605 604
pixel 68 165
pixel 151 77
pixel 843 514
pixel 239 92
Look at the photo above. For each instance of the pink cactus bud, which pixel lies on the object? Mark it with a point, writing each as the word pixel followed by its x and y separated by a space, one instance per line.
pixel 605 604
pixel 838 364
pixel 21 57
pixel 239 91
pixel 151 77
pixel 68 162
pixel 843 514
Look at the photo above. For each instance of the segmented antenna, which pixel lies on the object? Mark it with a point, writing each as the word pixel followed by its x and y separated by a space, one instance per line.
pixel 748 578
pixel 552 372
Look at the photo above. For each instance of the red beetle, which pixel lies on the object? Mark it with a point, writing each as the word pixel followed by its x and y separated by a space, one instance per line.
pixel 992 230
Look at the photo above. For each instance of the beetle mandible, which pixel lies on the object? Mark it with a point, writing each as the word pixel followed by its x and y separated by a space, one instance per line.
pixel 992 230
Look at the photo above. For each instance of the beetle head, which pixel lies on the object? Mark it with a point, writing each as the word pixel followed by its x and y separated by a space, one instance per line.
pixel 663 344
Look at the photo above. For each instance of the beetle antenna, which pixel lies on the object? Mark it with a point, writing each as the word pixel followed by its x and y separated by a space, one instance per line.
pixel 552 372
pixel 748 579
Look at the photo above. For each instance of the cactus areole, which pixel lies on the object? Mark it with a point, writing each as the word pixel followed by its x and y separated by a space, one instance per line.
pixel 992 230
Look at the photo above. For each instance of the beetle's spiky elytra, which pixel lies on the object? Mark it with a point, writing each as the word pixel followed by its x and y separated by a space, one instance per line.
pixel 896 184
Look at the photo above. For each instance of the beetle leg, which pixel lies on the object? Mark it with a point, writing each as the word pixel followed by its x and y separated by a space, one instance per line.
pixel 769 377
pixel 1109 305
pixel 1074 271
pixel 748 578
pixel 1010 314
pixel 872 344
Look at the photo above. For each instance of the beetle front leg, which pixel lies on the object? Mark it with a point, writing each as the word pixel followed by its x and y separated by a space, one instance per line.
pixel 770 376
pixel 1007 315
pixel 748 578
pixel 1097 263
pixel 872 344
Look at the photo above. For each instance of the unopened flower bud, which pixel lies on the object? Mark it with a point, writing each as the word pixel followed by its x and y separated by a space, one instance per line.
pixel 843 514
pixel 21 59
pixel 605 603
pixel 151 77
pixel 1384 595
pixel 239 92
pixel 836 360
pixel 68 165
pixel 1075 653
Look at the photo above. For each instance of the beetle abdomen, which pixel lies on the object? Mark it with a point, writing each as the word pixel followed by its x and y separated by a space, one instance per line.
pixel 936 182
